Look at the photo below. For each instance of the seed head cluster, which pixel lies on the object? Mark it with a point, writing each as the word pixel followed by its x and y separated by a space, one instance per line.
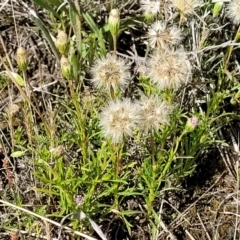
pixel 186 7
pixel 233 11
pixel 154 113
pixel 150 7
pixel 110 72
pixel 160 35
pixel 119 119
pixel 168 69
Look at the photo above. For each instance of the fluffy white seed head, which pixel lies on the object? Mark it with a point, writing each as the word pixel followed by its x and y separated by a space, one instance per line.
pixel 233 11
pixel 160 35
pixel 150 7
pixel 186 7
pixel 154 113
pixel 169 69
pixel 110 72
pixel 118 120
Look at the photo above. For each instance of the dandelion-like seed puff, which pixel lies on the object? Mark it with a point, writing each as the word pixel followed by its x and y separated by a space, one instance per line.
pixel 233 11
pixel 186 7
pixel 150 7
pixel 110 72
pixel 160 35
pixel 154 113
pixel 169 69
pixel 118 120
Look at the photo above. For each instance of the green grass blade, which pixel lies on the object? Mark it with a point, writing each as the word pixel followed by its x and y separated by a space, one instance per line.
pixel 47 35
pixel 92 24
pixel 75 19
pixel 46 6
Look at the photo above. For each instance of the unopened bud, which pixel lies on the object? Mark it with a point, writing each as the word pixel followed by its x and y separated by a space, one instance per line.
pixel 114 21
pixel 149 17
pixel 191 124
pixel 66 68
pixel 217 8
pixel 62 42
pixel 21 58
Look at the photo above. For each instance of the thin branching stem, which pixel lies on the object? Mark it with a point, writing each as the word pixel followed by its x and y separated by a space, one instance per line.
pixel 230 49
pixel 84 143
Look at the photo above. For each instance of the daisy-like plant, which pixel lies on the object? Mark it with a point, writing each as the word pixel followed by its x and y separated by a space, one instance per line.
pixel 110 73
pixel 161 36
pixel 233 11
pixel 169 69
pixel 118 120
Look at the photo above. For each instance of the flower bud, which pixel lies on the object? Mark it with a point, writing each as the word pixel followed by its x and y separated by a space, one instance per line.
pixel 21 58
pixel 191 124
pixel 62 42
pixel 114 21
pixel 149 17
pixel 66 68
pixel 20 81
pixel 217 8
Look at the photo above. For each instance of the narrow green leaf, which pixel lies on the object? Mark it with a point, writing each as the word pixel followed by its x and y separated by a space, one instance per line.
pixel 18 79
pixel 125 193
pixel 47 191
pixel 129 212
pixel 102 43
pixel 47 35
pixel 92 24
pixel 217 8
pixel 56 3
pixel 17 154
pixel 75 19
pixel 46 6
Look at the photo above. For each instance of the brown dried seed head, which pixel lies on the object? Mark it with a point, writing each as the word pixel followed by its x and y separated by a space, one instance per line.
pixel 12 109
pixel 22 59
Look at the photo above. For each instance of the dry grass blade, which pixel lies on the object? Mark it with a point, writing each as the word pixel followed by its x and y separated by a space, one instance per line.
pixel 47 220
pixel 205 230
pixel 80 216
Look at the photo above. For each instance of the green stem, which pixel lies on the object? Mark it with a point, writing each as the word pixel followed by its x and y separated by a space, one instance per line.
pixel 112 93
pixel 119 160
pixel 151 197
pixel 171 158
pixel 152 142
pixel 84 142
pixel 36 109
pixel 229 51
pixel 115 45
